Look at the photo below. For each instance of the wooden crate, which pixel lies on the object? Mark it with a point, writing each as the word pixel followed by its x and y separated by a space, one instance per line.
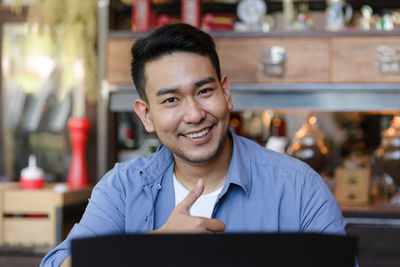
pixel 352 186
pixel 33 218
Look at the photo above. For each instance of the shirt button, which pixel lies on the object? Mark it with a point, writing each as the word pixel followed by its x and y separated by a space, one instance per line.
pixel 158 186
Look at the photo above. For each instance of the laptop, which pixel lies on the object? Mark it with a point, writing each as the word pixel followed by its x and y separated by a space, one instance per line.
pixel 209 250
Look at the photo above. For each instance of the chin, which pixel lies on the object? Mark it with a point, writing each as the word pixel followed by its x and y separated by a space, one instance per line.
pixel 203 155
pixel 197 160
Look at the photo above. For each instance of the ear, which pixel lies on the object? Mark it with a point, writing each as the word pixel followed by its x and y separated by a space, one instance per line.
pixel 226 88
pixel 142 109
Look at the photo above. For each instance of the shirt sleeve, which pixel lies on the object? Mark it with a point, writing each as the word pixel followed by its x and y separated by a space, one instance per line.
pixel 104 215
pixel 320 211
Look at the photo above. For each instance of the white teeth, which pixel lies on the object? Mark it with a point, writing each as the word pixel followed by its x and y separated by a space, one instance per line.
pixel 199 134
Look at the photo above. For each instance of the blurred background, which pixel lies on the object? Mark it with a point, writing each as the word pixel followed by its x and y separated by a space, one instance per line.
pixel 318 80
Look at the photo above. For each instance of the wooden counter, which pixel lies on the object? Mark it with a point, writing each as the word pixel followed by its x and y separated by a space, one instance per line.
pixel 377 214
pixel 377 228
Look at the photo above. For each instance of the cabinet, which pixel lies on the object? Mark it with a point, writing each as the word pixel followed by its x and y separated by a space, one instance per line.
pixel 324 71
pixel 307 60
pixel 354 59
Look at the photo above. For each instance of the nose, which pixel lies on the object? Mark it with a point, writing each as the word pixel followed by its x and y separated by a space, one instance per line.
pixel 193 111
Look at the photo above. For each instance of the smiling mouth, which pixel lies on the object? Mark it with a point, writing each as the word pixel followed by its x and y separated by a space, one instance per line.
pixel 198 134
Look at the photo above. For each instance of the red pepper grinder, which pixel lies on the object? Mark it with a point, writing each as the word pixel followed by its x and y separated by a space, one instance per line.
pixel 77 175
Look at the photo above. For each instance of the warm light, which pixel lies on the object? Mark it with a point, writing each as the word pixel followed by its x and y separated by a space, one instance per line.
pixel 301 133
pixel 266 116
pixel 78 110
pixel 296 147
pixel 235 123
pixel 396 121
pixel 276 122
pixel 312 120
pixel 42 65
pixel 34 27
pixel 255 122
pixel 79 70
pixel 6 68
pixel 390 131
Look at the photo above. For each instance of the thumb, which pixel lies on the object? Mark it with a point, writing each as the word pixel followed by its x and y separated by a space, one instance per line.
pixel 193 195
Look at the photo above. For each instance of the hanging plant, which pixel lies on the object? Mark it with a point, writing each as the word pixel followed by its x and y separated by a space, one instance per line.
pixel 73 27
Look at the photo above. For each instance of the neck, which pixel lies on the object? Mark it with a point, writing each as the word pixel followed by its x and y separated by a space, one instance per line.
pixel 213 173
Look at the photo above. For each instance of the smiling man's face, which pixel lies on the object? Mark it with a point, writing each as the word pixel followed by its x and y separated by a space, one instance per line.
pixel 188 107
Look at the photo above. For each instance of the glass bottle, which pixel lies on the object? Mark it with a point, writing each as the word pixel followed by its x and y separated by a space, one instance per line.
pixel 277 139
pixel 278 125
pixel 288 14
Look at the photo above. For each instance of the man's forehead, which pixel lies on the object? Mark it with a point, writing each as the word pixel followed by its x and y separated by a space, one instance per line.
pixel 177 56
pixel 171 71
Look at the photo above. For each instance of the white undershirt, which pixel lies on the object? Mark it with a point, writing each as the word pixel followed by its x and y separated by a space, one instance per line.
pixel 203 206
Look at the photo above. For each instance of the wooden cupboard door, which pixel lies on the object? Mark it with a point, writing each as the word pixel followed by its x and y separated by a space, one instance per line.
pixel 119 61
pixel 307 59
pixel 354 60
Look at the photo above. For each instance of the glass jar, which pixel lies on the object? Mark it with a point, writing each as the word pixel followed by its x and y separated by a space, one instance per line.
pixel 309 146
pixel 387 155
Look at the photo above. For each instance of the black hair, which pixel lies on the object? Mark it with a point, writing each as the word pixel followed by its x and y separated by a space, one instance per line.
pixel 166 40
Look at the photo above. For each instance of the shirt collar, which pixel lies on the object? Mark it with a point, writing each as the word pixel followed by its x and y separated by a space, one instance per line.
pixel 156 166
pixel 239 171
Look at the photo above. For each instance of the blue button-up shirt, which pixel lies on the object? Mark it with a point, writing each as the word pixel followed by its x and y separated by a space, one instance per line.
pixel 264 191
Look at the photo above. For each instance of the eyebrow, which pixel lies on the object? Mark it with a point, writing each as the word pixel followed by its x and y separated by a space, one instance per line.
pixel 204 81
pixel 167 91
pixel 197 84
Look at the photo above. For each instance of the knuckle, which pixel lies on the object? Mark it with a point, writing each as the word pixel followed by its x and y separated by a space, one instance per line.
pixel 199 223
pixel 190 195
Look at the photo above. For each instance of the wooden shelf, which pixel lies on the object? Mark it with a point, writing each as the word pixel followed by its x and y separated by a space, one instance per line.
pixel 6 15
pixel 126 34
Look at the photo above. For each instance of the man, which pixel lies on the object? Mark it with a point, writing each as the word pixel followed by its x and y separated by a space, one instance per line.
pixel 203 178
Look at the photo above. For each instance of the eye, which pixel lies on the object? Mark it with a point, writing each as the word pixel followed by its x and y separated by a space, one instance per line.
pixel 170 100
pixel 205 91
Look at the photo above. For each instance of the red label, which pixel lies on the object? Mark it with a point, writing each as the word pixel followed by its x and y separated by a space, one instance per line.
pixel 141 15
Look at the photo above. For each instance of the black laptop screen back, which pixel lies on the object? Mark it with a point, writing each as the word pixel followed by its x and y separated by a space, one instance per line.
pixel 208 250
